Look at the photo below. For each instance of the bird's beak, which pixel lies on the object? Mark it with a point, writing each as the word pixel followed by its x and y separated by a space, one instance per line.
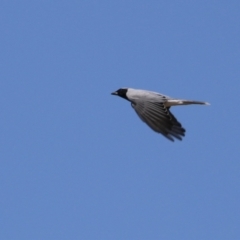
pixel 114 93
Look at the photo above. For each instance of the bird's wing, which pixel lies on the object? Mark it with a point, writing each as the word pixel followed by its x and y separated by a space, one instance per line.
pixel 159 118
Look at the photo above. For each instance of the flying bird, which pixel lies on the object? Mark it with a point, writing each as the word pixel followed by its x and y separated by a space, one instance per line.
pixel 154 109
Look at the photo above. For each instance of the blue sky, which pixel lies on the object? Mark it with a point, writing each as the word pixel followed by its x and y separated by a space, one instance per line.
pixel 78 163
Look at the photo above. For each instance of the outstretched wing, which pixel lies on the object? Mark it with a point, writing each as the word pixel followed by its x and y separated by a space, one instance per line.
pixel 159 118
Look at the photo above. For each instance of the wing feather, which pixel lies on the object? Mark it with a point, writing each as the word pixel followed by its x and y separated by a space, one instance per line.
pixel 159 118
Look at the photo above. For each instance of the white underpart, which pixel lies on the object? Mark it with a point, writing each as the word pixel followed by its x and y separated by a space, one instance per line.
pixel 135 94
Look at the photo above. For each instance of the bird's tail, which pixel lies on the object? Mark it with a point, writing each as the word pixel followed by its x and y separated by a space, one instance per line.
pixel 178 102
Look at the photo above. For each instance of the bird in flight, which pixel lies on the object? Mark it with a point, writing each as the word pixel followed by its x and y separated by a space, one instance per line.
pixel 154 109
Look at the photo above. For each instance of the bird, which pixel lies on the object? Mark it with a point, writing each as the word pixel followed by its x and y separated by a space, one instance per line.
pixel 154 109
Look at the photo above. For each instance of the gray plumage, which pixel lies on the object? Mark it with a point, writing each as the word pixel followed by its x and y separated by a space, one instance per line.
pixel 153 109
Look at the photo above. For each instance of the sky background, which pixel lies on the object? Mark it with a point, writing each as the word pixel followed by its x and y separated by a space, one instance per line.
pixel 78 163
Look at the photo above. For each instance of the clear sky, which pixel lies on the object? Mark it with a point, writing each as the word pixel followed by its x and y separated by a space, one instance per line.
pixel 78 163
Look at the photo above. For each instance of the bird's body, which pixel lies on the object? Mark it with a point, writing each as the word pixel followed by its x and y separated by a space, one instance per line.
pixel 153 109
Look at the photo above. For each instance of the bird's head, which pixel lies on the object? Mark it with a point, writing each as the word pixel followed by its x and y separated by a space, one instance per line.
pixel 122 92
